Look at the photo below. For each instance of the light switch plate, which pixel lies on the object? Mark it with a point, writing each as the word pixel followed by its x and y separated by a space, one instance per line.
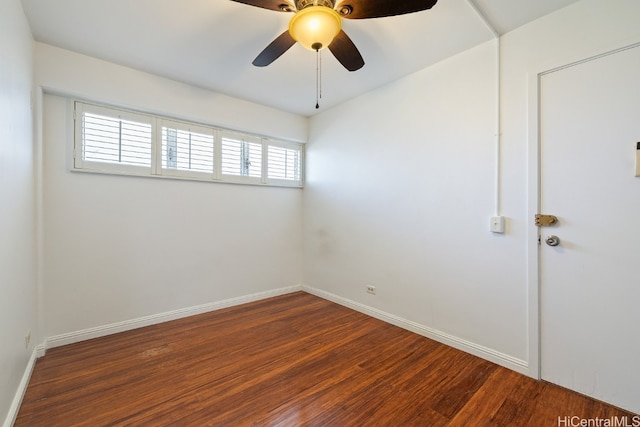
pixel 638 160
pixel 497 224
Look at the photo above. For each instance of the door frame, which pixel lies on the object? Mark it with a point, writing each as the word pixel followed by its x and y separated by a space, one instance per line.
pixel 534 198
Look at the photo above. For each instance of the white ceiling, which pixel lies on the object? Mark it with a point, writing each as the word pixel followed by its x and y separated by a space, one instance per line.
pixel 211 43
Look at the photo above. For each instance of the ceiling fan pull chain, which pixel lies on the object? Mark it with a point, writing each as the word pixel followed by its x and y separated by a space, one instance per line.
pixel 318 78
pixel 320 73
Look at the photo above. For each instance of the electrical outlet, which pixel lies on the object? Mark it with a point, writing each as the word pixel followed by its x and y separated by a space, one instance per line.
pixel 27 339
pixel 371 289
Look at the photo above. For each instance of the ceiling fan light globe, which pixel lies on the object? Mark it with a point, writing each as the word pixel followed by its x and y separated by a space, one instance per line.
pixel 315 26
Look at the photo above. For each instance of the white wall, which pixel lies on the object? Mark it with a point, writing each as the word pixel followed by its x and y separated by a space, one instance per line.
pixel 69 73
pixel 400 189
pixel 121 248
pixel 400 186
pixel 17 197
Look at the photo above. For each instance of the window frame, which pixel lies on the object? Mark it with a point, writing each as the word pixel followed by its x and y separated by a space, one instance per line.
pixel 182 173
pixel 247 139
pixel 156 169
pixel 280 181
pixel 107 167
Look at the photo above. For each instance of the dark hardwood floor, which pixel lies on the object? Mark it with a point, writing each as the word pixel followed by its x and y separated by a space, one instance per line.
pixel 293 360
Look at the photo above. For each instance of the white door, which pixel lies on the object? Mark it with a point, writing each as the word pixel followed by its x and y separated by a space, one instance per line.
pixel 590 282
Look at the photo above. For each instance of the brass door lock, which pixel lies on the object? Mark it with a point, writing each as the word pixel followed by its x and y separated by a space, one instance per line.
pixel 546 220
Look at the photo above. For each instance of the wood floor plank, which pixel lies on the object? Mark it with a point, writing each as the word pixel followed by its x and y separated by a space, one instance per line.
pixel 490 400
pixel 292 360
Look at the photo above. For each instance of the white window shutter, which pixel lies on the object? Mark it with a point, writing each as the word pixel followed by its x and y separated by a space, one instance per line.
pixel 187 149
pixel 115 140
pixel 241 156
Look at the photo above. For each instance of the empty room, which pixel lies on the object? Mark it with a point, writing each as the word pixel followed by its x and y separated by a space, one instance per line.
pixel 319 213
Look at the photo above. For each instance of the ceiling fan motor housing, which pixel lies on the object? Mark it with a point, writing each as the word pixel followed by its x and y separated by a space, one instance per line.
pixel 301 4
pixel 315 26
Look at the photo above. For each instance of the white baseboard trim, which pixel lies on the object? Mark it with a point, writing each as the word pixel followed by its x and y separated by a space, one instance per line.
pixel 100 331
pixel 22 386
pixel 486 353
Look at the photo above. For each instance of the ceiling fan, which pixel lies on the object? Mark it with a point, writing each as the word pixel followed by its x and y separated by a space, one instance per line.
pixel 317 24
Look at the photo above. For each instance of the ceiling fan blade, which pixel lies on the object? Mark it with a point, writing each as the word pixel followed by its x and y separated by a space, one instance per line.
pixel 363 9
pixel 275 49
pixel 346 52
pixel 279 5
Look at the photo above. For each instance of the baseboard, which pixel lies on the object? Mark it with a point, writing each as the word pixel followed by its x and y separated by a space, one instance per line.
pixel 22 386
pixel 486 353
pixel 100 331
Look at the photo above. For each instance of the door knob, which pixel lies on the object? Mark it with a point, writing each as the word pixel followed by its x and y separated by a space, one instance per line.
pixel 552 240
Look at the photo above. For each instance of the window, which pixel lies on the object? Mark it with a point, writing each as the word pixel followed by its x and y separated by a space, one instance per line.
pixel 285 163
pixel 241 156
pixel 187 150
pixel 112 140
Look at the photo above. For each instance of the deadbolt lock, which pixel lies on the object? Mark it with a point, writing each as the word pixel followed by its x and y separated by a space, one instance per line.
pixel 546 220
